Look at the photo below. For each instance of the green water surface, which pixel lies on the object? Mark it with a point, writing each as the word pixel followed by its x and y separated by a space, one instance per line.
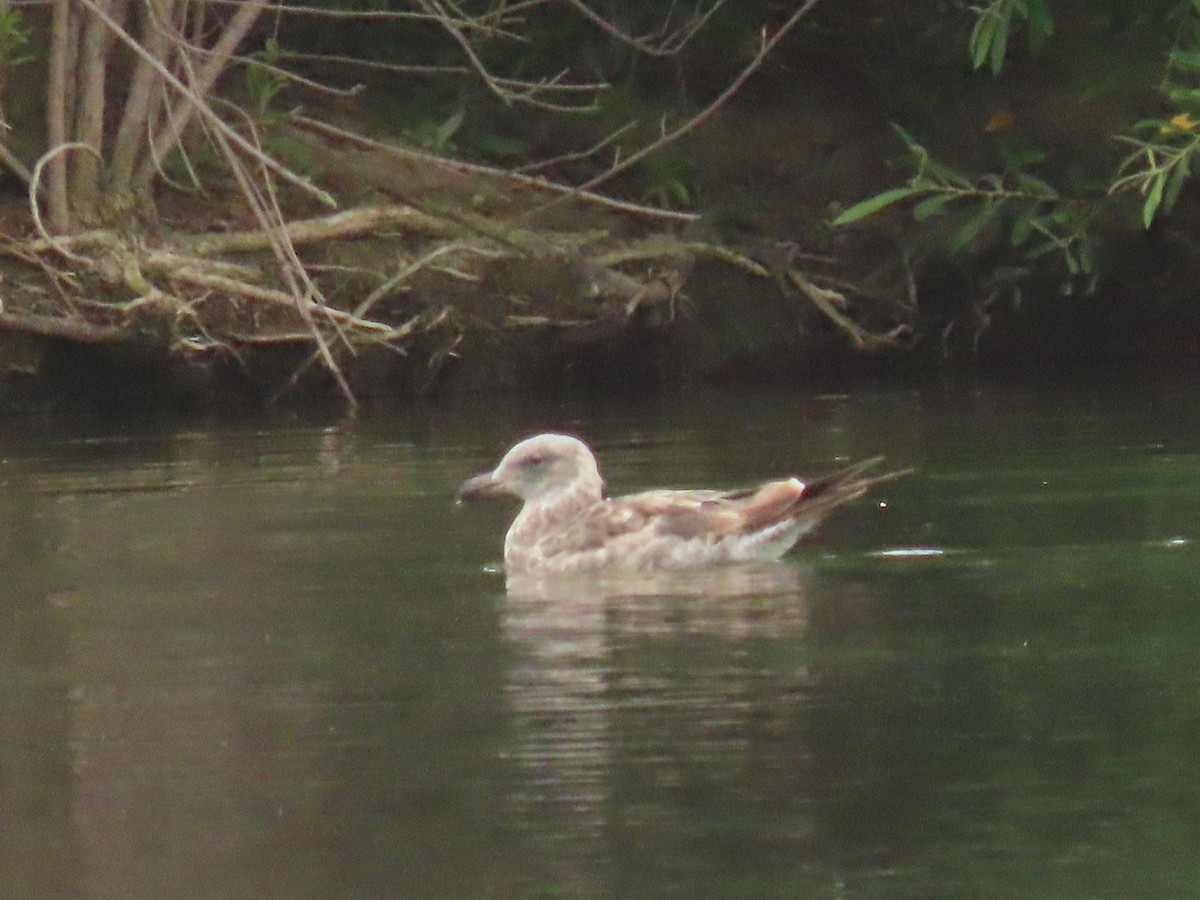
pixel 278 661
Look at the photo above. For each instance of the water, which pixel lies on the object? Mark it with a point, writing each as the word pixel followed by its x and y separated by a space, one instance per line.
pixel 275 662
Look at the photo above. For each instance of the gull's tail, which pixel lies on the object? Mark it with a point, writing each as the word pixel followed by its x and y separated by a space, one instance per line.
pixel 830 491
pixel 806 502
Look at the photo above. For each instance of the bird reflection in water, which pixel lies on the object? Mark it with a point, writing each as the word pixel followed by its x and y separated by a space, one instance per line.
pixel 595 704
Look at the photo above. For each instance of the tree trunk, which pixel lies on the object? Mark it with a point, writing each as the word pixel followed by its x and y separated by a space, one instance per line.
pixel 161 20
pixel 185 109
pixel 94 48
pixel 56 114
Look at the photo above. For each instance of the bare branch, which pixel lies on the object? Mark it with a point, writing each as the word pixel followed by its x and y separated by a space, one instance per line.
pixel 509 91
pixel 579 155
pixel 372 65
pixel 285 75
pixel 14 164
pixel 191 103
pixel 74 329
pixel 669 137
pixel 466 22
pixel 666 43
pixel 48 159
pixel 197 104
pixel 828 301
pixel 350 223
pixel 529 181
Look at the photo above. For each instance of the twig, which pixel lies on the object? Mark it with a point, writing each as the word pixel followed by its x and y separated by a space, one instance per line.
pixel 826 301
pixel 404 274
pixel 285 75
pixel 276 297
pixel 293 9
pixel 669 248
pixel 508 91
pixel 607 141
pixel 531 181
pixel 669 45
pixel 703 115
pixel 197 105
pixel 401 68
pixel 33 195
pixel 14 164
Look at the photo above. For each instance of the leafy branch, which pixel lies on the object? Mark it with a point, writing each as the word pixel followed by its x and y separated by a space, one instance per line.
pixel 1161 165
pixel 1158 169
pixel 1037 219
pixel 994 26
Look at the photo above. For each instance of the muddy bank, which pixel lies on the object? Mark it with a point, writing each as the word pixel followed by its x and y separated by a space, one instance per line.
pixel 434 275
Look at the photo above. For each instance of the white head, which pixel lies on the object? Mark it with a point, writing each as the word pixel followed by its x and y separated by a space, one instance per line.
pixel 538 468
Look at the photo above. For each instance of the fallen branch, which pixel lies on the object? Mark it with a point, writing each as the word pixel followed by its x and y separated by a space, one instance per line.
pixel 352 223
pixel 526 181
pixel 827 301
pixel 78 330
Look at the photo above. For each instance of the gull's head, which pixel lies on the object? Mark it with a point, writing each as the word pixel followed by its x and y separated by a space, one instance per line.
pixel 539 469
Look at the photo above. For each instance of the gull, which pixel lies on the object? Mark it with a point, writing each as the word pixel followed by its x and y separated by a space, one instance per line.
pixel 567 525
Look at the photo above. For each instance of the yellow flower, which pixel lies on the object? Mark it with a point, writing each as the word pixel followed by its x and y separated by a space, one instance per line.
pixel 1180 122
pixel 1001 120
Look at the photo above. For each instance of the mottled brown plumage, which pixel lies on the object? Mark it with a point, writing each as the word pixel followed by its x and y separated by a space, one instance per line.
pixel 566 524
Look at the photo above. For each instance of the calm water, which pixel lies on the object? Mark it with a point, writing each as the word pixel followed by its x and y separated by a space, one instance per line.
pixel 277 662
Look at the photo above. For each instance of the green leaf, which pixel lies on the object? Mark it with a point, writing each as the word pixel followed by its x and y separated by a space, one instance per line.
pixel 982 36
pixel 1184 97
pixel 447 129
pixel 1029 156
pixel 1065 217
pixel 864 208
pixel 911 141
pixel 1154 125
pixel 1051 246
pixel 1023 226
pixel 974 226
pixel 930 206
pixel 1041 23
pixel 1185 59
pixel 1084 252
pixel 502 146
pixel 1032 185
pixel 1175 183
pixel 1000 43
pixel 1153 199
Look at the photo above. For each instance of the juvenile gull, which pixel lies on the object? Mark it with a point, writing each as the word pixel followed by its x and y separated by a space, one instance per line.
pixel 567 525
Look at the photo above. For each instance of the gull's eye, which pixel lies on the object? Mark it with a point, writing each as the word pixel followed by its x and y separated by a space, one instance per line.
pixel 535 460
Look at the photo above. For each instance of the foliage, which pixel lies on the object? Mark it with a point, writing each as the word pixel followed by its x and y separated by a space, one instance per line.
pixel 669 177
pixel 434 136
pixel 1161 162
pixel 14 38
pixel 264 78
pixel 1159 166
pixel 1018 219
pixel 1014 208
pixel 994 26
